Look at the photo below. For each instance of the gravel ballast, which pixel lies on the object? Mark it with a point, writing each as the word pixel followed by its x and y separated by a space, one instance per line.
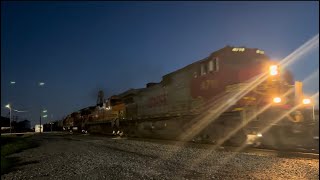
pixel 96 157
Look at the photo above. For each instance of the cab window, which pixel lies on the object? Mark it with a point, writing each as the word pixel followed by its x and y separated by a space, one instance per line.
pixel 213 65
pixel 203 69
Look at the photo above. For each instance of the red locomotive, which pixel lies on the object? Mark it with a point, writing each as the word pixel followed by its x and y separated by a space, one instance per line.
pixel 236 96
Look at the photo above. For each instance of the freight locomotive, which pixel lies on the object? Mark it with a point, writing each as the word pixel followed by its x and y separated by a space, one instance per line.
pixel 236 95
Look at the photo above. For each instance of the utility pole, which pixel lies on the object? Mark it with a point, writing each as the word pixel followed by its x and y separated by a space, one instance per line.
pixel 51 122
pixel 10 120
pixel 10 114
pixel 40 120
pixel 41 84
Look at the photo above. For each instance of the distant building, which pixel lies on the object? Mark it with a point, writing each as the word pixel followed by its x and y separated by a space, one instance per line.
pixel 37 128
pixel 5 122
pixel 25 124
pixel 16 126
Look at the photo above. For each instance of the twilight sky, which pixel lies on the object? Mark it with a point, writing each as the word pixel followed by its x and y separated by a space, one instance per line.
pixel 77 48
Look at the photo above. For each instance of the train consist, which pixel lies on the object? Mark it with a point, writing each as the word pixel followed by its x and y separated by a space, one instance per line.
pixel 234 96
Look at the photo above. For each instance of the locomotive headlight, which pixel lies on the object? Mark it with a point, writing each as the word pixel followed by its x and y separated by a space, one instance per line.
pixel 306 101
pixel 273 70
pixel 277 100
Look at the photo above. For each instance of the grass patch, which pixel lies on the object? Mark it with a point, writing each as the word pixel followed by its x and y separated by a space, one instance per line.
pixel 11 145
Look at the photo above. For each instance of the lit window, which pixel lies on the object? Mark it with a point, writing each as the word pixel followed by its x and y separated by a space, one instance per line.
pixel 213 65
pixel 210 65
pixel 216 64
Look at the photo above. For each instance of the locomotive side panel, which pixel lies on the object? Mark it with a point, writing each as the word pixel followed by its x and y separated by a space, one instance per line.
pixel 185 91
pixel 169 98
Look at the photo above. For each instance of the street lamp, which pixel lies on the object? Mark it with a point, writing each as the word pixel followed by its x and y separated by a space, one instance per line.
pixel 18 110
pixel 41 111
pixel 9 107
pixel 42 116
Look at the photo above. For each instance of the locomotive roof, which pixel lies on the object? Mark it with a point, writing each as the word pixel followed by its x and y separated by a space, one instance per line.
pixel 129 92
pixel 218 53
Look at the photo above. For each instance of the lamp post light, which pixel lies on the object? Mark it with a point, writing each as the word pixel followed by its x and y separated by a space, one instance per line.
pixel 9 107
pixel 10 113
pixel 18 110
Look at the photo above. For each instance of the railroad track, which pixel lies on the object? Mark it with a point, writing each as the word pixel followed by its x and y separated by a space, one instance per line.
pixel 284 153
pixel 288 153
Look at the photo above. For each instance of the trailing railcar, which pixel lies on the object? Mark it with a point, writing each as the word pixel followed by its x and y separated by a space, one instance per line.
pixel 235 95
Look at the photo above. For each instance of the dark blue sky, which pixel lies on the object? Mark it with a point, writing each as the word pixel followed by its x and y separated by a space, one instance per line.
pixel 78 48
